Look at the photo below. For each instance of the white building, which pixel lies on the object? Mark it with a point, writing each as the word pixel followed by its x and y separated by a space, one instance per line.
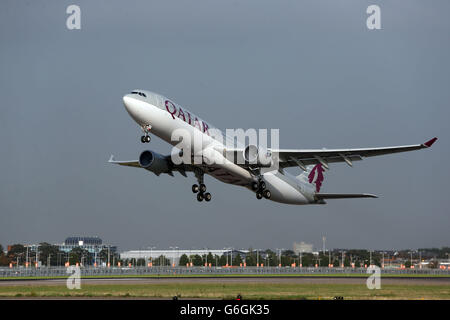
pixel 302 247
pixel 175 254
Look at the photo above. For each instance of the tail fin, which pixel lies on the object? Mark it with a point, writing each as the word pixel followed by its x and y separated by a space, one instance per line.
pixel 313 174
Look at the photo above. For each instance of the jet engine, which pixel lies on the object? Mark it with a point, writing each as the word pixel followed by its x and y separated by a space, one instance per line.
pixel 255 156
pixel 154 162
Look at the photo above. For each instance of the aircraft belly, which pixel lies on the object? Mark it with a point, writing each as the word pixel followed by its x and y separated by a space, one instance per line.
pixel 282 190
pixel 226 176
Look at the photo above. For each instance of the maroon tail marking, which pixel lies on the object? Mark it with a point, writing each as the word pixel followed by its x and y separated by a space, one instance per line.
pixel 319 179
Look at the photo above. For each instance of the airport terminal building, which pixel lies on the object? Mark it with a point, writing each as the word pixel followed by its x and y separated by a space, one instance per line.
pixel 92 244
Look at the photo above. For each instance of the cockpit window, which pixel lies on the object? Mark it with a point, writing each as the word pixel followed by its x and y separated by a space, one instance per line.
pixel 139 93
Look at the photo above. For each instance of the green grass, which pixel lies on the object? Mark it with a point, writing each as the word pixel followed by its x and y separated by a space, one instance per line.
pixel 230 290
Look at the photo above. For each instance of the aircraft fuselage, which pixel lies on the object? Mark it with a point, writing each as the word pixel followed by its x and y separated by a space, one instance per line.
pixel 162 117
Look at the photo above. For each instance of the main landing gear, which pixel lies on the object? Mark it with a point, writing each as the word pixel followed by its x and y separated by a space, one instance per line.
pixel 260 188
pixel 200 189
pixel 146 138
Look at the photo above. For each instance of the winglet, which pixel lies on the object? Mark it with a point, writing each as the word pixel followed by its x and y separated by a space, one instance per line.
pixel 430 142
pixel 111 159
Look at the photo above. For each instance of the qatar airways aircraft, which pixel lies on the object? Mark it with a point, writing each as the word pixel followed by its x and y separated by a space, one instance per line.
pixel 259 169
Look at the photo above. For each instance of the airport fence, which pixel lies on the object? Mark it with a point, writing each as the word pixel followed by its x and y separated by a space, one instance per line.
pixel 21 272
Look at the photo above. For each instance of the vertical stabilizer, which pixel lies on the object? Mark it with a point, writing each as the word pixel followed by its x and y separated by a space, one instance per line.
pixel 313 175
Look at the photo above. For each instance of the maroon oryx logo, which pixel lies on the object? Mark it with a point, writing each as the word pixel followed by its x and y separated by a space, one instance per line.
pixel 319 179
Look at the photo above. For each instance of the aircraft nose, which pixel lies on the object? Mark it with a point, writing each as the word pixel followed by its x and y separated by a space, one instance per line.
pixel 131 105
pixel 127 102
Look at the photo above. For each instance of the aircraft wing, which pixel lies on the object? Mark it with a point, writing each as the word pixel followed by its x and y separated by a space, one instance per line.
pixel 321 196
pixel 218 172
pixel 302 158
pixel 132 163
pixel 135 163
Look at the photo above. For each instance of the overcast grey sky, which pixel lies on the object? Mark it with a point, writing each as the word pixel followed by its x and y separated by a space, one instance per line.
pixel 310 68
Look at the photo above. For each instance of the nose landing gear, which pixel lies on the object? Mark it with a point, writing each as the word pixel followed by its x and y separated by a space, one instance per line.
pixel 146 138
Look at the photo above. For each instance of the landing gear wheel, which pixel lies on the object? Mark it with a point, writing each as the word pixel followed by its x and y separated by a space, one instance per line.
pixel 143 139
pixel 147 139
pixel 259 195
pixel 202 188
pixel 200 197
pixel 195 188
pixel 267 194
pixel 262 185
pixel 254 186
pixel 208 196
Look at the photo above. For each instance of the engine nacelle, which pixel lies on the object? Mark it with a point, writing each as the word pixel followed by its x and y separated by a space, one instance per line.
pixel 257 156
pixel 154 162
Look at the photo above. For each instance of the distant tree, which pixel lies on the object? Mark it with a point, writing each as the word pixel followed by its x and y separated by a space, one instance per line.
pixel 4 261
pixel 271 258
pixel 250 258
pixel 77 254
pixel 183 260
pixel 16 253
pixel 308 259
pixel 376 261
pixel 121 261
pixel 324 259
pixel 289 253
pixel 223 260
pixel 336 263
pixel 16 249
pixel 103 255
pixel 210 259
pixel 47 250
pixel 197 260
pixel 237 260
pixel 286 260
pixel 161 261
pixel 141 262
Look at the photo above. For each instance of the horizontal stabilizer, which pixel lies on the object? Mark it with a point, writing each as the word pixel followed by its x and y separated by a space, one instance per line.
pixel 321 196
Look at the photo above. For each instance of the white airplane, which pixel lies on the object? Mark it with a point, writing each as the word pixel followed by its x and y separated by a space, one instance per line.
pixel 161 116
